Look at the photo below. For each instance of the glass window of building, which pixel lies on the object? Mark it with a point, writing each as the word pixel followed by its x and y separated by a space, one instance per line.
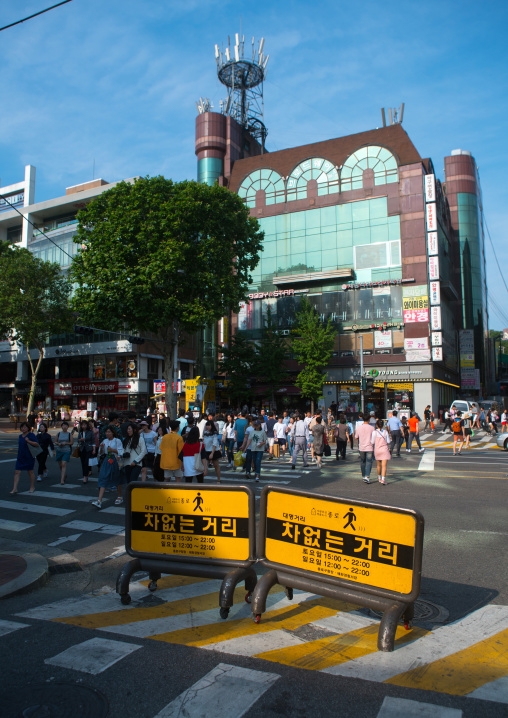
pixel 378 159
pixel 99 366
pixel 267 180
pixel 322 171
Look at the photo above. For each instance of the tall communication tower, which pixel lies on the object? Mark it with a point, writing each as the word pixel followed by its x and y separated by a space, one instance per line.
pixel 244 77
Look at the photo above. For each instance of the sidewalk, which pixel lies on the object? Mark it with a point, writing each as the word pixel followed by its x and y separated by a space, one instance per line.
pixel 21 572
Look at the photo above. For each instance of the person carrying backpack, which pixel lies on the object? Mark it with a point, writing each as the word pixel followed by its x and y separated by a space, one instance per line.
pixel 458 433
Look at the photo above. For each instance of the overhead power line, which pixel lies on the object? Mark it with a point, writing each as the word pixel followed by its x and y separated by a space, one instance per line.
pixel 41 12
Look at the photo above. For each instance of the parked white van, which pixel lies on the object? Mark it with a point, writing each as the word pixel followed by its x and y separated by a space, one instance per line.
pixel 465 406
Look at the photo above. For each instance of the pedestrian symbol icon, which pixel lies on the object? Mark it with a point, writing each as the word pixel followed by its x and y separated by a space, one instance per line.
pixel 198 501
pixel 350 515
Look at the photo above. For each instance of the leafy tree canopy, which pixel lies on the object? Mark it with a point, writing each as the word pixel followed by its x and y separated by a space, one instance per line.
pixel 237 366
pixel 312 346
pixel 34 303
pixel 156 252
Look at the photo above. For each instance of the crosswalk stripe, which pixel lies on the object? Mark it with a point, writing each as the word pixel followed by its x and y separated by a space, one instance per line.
pixel 225 691
pixel 99 603
pixel 405 708
pixel 427 461
pixel 35 508
pixel 7 525
pixel 334 650
pixel 189 599
pixel 282 614
pixel 461 672
pixel 91 526
pixel 61 497
pixel 7 627
pixel 379 667
pixel 256 644
pixel 93 656
pixel 494 691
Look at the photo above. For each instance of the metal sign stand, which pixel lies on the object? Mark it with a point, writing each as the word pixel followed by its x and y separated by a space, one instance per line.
pixel 395 605
pixel 232 571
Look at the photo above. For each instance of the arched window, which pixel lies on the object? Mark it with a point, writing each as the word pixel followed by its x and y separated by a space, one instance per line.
pixel 378 159
pixel 322 171
pixel 268 180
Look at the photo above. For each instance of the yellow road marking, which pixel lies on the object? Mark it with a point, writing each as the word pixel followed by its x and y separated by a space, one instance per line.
pixel 462 672
pixel 172 608
pixel 289 618
pixel 334 650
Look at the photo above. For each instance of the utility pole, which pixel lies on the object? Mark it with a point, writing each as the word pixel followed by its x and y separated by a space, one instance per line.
pixel 362 397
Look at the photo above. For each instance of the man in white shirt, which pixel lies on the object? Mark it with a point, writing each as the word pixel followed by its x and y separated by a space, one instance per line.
pixel 279 431
pixel 300 432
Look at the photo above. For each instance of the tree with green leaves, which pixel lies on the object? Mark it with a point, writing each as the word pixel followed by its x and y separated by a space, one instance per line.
pixel 312 345
pixel 165 258
pixel 237 366
pixel 271 354
pixel 34 303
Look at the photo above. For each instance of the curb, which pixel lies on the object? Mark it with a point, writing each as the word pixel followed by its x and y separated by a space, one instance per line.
pixel 35 574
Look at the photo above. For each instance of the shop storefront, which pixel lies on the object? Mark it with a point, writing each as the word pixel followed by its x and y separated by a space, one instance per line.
pixel 105 396
pixel 404 387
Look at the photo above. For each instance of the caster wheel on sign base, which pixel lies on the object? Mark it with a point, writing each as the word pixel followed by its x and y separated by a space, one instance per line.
pixel 248 597
pixel 407 625
pixel 224 612
pixel 125 599
pixel 289 593
pixel 257 618
pixel 152 586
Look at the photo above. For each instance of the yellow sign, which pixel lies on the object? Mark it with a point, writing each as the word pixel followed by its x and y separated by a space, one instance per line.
pixel 421 302
pixel 198 392
pixel 372 546
pixel 199 523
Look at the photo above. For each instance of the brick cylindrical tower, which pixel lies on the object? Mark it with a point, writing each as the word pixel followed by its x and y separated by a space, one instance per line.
pixel 211 146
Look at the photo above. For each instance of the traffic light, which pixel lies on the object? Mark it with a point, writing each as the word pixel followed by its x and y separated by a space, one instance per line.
pixel 369 384
pixel 136 340
pixel 78 329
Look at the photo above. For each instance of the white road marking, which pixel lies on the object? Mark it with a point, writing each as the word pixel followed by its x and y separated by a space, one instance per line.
pixel 7 525
pixel 10 626
pixel 155 626
pixel 119 551
pixel 6 461
pixel 64 539
pixel 61 497
pixel 404 708
pixel 457 636
pixel 471 531
pixel 258 643
pixel 495 691
pixel 344 622
pixel 65 486
pixel 35 508
pixel 119 510
pixel 93 656
pixel 225 691
pixel 428 460
pixel 91 526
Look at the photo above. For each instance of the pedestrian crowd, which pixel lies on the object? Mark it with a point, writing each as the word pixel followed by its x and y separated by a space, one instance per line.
pixel 126 448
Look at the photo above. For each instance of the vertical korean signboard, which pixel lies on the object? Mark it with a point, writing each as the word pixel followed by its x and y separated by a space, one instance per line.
pixel 433 266
pixel 469 376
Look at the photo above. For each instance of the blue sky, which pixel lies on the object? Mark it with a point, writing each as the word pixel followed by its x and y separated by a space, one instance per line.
pixel 115 81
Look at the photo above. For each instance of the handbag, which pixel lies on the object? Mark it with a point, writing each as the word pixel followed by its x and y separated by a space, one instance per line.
pixel 34 450
pixel 93 461
pixel 198 462
pixel 75 453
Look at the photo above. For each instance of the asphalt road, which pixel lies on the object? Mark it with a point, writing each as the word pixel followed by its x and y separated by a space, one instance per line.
pixel 308 666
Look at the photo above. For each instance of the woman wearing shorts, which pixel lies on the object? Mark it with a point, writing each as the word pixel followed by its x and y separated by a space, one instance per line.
pixel 63 449
pixel 150 438
pixel 210 453
pixel 458 432
pixel 279 431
